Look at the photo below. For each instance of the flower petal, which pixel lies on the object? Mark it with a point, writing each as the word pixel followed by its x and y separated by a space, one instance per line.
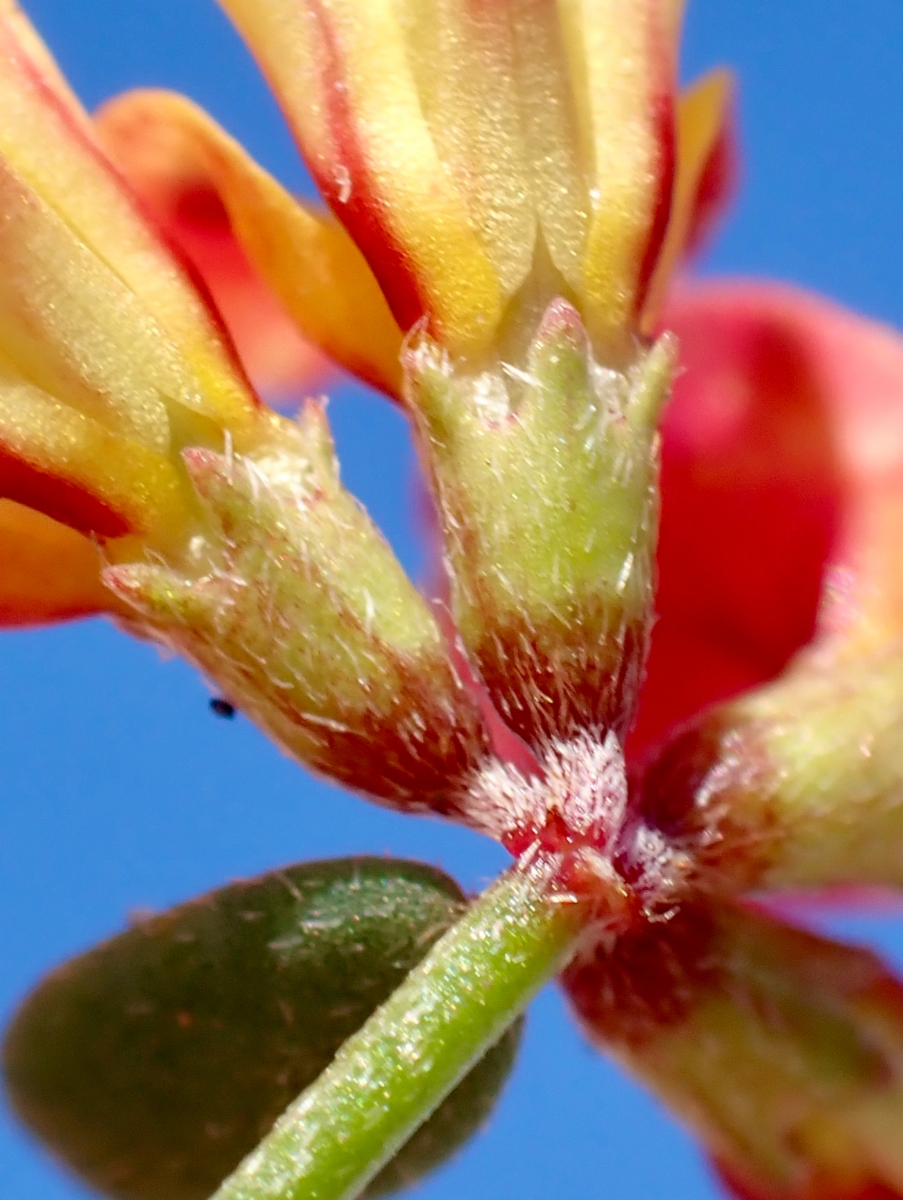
pixel 41 62
pixel 673 16
pixel 85 376
pixel 344 74
pixel 782 499
pixel 552 135
pixel 73 468
pixel 703 178
pixel 45 143
pixel 50 572
pixel 760 474
pixel 623 68
pixel 465 63
pixel 69 324
pixel 781 1050
pixel 264 255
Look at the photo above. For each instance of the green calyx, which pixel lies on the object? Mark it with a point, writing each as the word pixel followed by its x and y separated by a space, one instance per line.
pixel 794 785
pixel 156 1062
pixel 546 479
pixel 293 603
pixel 832 732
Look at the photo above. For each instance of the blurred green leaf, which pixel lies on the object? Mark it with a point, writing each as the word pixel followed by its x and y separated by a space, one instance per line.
pixel 154 1063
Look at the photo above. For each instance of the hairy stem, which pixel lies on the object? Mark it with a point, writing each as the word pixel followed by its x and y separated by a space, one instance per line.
pixel 390 1076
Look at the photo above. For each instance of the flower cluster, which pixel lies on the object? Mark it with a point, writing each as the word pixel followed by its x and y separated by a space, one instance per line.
pixel 510 188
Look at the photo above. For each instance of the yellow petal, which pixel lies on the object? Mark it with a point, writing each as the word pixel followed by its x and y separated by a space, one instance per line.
pixel 33 49
pixel 48 572
pixel 465 64
pixel 71 467
pixel 343 72
pixel 673 17
pixel 70 325
pixel 45 142
pixel 557 170
pixel 702 113
pixel 622 67
pixel 157 138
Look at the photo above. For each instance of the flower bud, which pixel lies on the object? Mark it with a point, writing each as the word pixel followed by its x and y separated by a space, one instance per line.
pixel 295 606
pixel 546 482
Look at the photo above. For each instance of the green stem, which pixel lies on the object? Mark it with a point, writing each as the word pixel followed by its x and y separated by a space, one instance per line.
pixel 390 1076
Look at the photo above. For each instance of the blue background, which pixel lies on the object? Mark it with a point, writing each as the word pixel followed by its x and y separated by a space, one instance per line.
pixel 119 790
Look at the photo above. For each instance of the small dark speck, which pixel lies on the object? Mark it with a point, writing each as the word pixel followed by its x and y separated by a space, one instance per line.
pixel 222 708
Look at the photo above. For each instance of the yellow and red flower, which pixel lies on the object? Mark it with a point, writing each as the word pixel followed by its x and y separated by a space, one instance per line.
pixel 110 359
pixel 127 421
pixel 481 157
pixel 533 163
pixel 775 682
pixel 511 185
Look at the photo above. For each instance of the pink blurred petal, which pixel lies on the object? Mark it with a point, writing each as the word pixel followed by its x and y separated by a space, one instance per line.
pixel 277 358
pixel 782 485
pixel 807 907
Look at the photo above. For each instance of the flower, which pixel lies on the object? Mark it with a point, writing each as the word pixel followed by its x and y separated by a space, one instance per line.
pixel 789 423
pixel 479 159
pixel 126 418
pixel 273 264
pixel 496 267
pixel 110 359
pixel 511 186
pixel 470 232
pixel 770 725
